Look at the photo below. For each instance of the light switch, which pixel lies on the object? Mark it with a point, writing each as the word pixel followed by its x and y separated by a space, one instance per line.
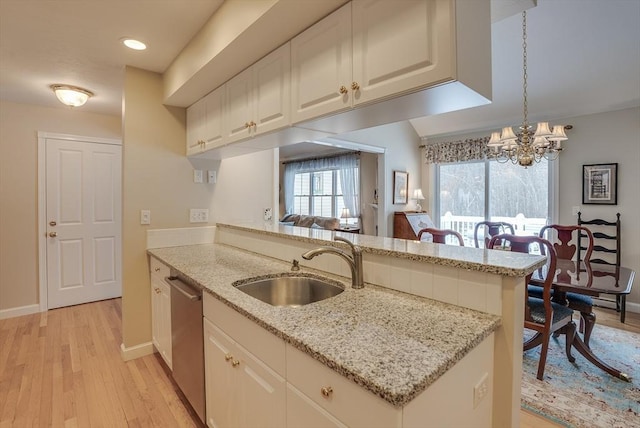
pixel 197 176
pixel 145 217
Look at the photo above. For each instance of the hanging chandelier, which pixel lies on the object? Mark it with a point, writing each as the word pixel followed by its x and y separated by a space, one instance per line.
pixel 527 147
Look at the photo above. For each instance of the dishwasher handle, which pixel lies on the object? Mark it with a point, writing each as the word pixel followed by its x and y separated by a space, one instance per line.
pixel 183 288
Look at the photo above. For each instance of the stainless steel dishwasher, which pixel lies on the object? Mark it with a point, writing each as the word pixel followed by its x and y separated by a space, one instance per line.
pixel 187 343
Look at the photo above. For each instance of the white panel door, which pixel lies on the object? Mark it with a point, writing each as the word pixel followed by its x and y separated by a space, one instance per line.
pixel 83 215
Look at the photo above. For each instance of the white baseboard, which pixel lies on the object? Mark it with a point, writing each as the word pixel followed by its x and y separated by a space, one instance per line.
pixel 19 311
pixel 136 351
pixel 611 304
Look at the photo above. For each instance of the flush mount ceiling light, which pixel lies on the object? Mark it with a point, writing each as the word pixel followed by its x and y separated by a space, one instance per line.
pixel 72 96
pixel 134 44
pixel 527 147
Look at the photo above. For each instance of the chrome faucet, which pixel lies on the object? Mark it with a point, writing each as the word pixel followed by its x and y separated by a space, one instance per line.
pixel 354 259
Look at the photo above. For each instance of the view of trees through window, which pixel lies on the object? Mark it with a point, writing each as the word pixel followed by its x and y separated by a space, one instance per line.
pixel 318 193
pixel 487 190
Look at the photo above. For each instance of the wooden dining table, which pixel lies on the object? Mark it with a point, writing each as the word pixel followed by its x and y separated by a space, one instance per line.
pixel 590 279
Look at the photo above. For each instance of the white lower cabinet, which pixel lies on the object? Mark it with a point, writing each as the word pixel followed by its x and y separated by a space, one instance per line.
pixel 161 310
pixel 254 380
pixel 241 390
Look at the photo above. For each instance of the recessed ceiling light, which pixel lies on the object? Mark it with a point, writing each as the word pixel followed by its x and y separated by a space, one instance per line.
pixel 134 44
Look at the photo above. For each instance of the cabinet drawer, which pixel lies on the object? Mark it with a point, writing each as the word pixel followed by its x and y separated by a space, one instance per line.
pixel 158 268
pixel 246 332
pixel 310 377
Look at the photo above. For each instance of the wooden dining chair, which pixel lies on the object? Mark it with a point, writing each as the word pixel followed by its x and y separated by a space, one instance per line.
pixel 566 243
pixel 491 229
pixel 440 235
pixel 542 315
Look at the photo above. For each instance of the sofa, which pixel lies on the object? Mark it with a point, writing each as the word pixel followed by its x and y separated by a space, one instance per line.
pixel 329 223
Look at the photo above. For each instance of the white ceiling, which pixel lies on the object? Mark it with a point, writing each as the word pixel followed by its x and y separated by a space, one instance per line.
pixel 584 55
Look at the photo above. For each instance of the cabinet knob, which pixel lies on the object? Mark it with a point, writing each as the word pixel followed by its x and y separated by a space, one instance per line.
pixel 53 234
pixel 326 391
pixel 157 269
pixel 252 124
pixel 246 124
pixel 228 357
pixel 157 290
pixel 343 90
pixel 52 223
pixel 235 363
pixel 355 86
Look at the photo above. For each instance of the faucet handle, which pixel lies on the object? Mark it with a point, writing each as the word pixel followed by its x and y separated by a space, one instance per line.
pixel 296 265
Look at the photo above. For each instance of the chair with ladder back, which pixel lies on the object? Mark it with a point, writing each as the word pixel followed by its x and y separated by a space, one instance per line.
pixel 608 245
pixel 491 229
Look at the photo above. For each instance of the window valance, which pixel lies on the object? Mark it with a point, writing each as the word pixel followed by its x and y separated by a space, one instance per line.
pixel 456 151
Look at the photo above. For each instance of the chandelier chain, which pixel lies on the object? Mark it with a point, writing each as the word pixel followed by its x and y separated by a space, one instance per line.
pixel 524 72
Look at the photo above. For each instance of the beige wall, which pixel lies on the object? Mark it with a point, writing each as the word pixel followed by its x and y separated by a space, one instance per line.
pixel 19 125
pixel 158 177
pixel 606 138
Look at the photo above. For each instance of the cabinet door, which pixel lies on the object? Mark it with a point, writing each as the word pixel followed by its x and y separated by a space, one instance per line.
pixel 400 46
pixel 271 88
pixel 320 66
pixel 164 309
pixel 302 411
pixel 196 119
pixel 222 392
pixel 214 134
pixel 263 396
pixel 155 313
pixel 239 105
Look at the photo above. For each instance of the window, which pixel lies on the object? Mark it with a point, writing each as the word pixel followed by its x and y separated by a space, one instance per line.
pixel 323 187
pixel 471 192
pixel 318 193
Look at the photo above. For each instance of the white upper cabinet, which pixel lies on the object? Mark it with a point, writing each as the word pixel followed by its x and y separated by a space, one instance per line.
pixel 321 67
pixel 257 99
pixel 214 133
pixel 196 125
pixel 204 123
pixel 400 46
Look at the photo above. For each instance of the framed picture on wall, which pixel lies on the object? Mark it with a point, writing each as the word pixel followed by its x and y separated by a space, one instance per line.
pixel 400 187
pixel 600 184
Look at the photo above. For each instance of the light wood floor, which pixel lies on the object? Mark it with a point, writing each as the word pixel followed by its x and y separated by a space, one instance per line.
pixel 63 368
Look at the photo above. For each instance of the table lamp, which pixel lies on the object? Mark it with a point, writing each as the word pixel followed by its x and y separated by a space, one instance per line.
pixel 345 215
pixel 418 196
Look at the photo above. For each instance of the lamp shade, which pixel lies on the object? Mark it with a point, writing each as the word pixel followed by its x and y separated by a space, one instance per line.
pixel 345 213
pixel 508 135
pixel 558 134
pixel 417 194
pixel 72 96
pixel 543 130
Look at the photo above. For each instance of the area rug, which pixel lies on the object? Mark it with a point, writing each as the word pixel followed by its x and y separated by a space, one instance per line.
pixel 579 394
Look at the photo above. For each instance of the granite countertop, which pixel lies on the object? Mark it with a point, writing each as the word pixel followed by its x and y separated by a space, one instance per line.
pixel 504 263
pixel 391 343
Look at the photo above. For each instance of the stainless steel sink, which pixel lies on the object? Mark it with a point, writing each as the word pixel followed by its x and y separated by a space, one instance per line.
pixel 290 290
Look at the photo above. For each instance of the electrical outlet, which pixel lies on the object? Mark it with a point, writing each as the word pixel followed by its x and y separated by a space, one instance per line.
pixel 145 217
pixel 211 177
pixel 480 390
pixel 268 214
pixel 197 176
pixel 197 215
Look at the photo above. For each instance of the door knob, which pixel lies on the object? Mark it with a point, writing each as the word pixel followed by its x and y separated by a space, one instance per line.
pixel 52 223
pixel 53 234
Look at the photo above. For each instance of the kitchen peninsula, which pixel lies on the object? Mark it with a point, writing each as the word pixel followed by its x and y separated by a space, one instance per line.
pixel 415 354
